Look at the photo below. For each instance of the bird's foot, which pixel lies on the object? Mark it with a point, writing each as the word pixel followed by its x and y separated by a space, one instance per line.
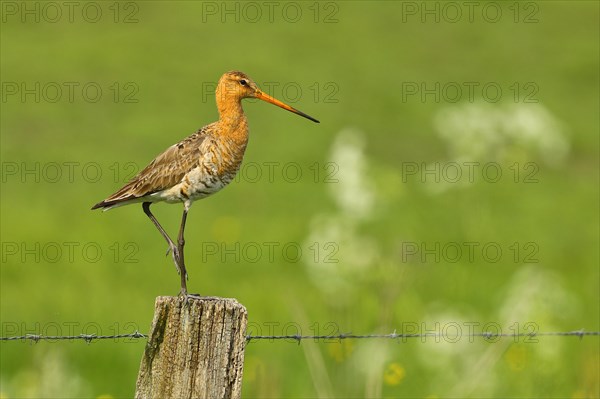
pixel 189 297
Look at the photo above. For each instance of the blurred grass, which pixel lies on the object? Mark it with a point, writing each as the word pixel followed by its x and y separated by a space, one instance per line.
pixel 368 53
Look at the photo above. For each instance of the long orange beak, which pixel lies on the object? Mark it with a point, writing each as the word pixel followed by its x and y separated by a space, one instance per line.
pixel 265 97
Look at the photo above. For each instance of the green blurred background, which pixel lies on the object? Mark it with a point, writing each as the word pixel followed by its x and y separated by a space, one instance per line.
pixel 384 243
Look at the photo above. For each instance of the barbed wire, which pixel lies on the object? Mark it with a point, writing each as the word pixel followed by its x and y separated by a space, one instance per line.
pixel 395 336
pixel 85 337
pixel 298 338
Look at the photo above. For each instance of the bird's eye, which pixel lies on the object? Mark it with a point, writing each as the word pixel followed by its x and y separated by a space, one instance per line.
pixel 243 82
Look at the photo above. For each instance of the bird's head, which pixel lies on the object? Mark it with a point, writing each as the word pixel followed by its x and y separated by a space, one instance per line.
pixel 235 86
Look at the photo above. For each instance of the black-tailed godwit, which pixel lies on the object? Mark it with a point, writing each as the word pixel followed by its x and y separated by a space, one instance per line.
pixel 199 165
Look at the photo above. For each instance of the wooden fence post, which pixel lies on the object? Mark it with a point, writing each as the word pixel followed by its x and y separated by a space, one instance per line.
pixel 195 349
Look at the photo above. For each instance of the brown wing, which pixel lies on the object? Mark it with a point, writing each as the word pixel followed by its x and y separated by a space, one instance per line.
pixel 166 170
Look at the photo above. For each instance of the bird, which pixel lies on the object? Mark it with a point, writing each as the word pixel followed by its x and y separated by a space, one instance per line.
pixel 199 165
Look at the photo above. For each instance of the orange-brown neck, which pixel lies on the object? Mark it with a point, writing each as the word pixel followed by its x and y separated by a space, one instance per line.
pixel 232 120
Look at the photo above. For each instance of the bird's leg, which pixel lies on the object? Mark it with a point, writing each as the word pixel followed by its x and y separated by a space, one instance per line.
pixel 180 244
pixel 172 246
